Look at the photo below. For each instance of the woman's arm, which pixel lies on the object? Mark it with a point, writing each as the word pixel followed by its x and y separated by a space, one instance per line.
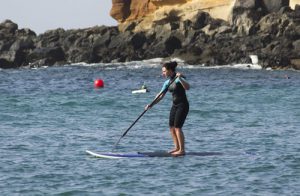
pixel 184 83
pixel 158 97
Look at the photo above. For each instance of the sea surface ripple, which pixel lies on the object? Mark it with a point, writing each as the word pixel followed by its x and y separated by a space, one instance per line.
pixel 50 116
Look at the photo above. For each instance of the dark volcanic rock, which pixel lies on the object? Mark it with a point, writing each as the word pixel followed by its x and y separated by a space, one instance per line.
pixel 15 45
pixel 46 56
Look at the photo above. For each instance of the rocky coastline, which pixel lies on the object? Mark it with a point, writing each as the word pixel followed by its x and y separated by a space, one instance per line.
pixel 273 36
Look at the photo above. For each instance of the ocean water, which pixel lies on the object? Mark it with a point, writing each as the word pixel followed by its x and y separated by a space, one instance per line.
pixel 50 116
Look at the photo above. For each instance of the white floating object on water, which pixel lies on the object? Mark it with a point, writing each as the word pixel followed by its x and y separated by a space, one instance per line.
pixel 140 91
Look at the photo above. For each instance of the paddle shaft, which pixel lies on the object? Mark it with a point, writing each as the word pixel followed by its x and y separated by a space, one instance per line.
pixel 151 104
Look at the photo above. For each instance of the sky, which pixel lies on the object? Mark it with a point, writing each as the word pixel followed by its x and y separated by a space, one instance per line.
pixel 43 15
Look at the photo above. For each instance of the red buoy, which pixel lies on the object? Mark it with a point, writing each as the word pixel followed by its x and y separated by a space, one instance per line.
pixel 98 83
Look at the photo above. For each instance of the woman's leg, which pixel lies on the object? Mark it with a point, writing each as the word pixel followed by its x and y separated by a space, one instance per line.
pixel 175 140
pixel 180 139
pixel 172 129
pixel 181 114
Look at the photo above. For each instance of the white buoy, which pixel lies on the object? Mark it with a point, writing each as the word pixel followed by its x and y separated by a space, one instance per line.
pixel 143 89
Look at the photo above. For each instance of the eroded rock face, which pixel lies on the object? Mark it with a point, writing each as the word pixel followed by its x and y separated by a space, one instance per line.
pixel 124 10
pixel 147 13
pixel 168 2
pixel 130 10
pixel 275 5
pixel 293 3
pixel 15 44
pixel 245 14
pixel 140 8
pixel 120 10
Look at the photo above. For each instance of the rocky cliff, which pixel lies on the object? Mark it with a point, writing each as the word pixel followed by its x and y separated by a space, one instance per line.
pixel 147 13
pixel 293 3
pixel 267 28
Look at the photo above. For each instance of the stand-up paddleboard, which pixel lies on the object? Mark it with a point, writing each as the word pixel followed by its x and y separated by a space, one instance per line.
pixel 111 155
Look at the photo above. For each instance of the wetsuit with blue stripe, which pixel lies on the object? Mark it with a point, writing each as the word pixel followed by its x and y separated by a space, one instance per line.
pixel 180 107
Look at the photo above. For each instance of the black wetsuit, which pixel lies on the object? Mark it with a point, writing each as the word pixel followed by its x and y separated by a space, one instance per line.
pixel 180 107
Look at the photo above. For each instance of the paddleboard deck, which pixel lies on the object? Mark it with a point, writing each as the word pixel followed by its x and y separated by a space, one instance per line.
pixel 111 155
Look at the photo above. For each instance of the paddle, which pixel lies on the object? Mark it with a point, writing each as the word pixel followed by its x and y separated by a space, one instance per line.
pixel 151 104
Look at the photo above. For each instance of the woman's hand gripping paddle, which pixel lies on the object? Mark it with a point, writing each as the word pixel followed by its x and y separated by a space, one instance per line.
pixel 150 105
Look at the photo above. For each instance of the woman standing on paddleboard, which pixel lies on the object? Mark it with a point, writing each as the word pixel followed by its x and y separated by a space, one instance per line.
pixel 180 107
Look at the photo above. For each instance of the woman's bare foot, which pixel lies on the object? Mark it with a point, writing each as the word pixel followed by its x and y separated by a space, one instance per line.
pixel 178 153
pixel 172 151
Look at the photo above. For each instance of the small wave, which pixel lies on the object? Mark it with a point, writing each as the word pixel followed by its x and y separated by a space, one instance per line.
pixel 42 67
pixel 234 66
pixel 148 63
pixel 155 63
pixel 69 103
pixel 155 60
pixel 78 64
pixel 247 66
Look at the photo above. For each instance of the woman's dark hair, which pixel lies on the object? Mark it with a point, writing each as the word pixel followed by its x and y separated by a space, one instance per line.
pixel 170 65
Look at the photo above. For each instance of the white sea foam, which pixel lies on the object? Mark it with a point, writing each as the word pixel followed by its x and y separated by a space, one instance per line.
pixel 234 66
pixel 247 66
pixel 157 62
pixel 42 67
